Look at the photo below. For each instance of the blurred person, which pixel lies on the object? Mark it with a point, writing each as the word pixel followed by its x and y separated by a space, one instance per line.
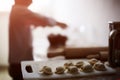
pixel 20 38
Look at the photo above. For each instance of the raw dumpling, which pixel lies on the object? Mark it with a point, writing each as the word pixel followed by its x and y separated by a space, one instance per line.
pixel 99 66
pixel 46 70
pixel 93 61
pixel 67 64
pixel 72 69
pixel 87 68
pixel 79 64
pixel 60 70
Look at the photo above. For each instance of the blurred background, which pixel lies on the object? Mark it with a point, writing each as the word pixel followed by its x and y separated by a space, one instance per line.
pixel 87 23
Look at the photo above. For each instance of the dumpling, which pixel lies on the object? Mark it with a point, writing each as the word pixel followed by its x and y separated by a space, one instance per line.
pixel 99 66
pixel 60 70
pixel 46 70
pixel 72 69
pixel 79 64
pixel 67 64
pixel 93 61
pixel 87 68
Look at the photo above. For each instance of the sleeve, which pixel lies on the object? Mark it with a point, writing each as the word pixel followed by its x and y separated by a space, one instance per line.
pixel 32 18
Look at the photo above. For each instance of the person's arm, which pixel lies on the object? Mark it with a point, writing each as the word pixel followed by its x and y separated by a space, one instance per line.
pixel 40 20
pixel 47 21
pixel 62 25
pixel 54 22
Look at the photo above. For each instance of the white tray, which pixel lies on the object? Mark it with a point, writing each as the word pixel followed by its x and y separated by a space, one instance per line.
pixel 38 65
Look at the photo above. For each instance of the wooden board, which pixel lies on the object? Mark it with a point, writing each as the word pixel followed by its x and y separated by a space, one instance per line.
pixel 38 65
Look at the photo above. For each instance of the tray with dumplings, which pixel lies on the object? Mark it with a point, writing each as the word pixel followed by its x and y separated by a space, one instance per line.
pixel 62 69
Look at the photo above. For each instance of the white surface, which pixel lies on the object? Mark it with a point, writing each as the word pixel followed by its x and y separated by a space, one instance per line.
pixel 37 66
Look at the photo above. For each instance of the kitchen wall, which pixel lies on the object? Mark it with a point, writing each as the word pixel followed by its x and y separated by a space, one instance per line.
pixel 90 17
pixel 4 38
pixel 87 19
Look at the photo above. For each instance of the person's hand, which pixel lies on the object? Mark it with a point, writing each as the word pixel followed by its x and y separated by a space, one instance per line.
pixel 62 25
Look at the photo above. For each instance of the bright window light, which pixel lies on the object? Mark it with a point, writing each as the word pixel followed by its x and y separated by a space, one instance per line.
pixel 38 4
pixel 5 5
